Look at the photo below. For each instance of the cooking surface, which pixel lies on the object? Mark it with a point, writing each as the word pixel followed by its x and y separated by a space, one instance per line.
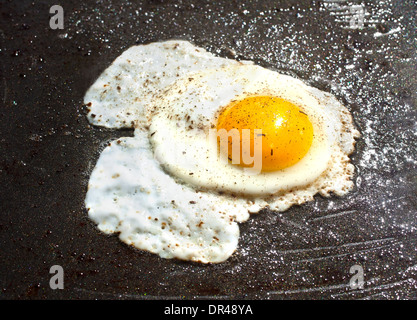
pixel 49 149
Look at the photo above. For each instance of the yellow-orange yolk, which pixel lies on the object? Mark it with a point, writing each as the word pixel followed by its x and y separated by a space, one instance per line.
pixel 287 133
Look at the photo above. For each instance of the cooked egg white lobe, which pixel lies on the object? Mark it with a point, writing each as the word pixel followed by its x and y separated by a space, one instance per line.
pixel 129 194
pixel 121 94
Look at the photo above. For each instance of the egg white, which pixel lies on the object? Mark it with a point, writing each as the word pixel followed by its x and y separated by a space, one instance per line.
pixel 182 117
pixel 119 97
pixel 171 93
pixel 129 194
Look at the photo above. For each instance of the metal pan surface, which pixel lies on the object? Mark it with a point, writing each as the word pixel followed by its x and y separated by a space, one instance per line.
pixel 364 52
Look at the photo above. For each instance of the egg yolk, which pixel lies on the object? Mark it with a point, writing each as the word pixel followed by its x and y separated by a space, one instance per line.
pixel 287 133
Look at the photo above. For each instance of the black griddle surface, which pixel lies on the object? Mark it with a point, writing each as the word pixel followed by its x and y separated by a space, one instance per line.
pixel 48 150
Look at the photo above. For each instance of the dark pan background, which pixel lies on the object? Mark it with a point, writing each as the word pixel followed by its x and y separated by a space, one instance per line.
pixel 48 150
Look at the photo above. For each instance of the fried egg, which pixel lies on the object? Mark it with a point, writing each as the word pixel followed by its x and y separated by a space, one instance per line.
pixel 168 190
